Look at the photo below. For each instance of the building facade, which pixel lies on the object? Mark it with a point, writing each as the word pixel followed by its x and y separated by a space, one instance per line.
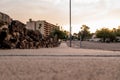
pixel 44 27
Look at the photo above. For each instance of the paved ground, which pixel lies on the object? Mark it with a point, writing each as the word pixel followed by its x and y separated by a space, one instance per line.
pixel 63 49
pixel 62 63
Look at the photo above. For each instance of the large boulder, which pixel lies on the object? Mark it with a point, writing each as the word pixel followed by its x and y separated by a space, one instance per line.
pixel 16 26
pixel 35 35
pixel 4 19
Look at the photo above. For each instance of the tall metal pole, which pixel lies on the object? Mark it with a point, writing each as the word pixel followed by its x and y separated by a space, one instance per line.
pixel 70 21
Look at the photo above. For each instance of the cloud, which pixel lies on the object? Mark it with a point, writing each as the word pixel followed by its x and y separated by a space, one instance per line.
pixel 57 11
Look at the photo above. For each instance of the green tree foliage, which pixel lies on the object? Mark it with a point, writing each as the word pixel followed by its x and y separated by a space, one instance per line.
pixel 59 33
pixel 118 31
pixel 75 36
pixel 84 33
pixel 103 33
pixel 106 34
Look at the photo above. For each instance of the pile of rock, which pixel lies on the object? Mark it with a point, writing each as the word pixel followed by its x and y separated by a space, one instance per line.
pixel 13 34
pixel 17 36
pixel 4 19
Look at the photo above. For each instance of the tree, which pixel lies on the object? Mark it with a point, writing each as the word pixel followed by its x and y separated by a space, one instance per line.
pixel 106 34
pixel 112 36
pixel 85 33
pixel 118 32
pixel 75 36
pixel 59 33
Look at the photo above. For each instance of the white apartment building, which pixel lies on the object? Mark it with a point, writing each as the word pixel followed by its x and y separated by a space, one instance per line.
pixel 41 25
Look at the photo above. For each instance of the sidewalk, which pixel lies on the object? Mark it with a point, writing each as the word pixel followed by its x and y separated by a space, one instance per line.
pixel 63 45
pixel 63 49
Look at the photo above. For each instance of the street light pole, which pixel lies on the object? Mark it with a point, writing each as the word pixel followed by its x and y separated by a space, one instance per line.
pixel 70 20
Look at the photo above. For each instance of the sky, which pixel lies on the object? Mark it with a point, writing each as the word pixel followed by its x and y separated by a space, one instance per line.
pixel 93 13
